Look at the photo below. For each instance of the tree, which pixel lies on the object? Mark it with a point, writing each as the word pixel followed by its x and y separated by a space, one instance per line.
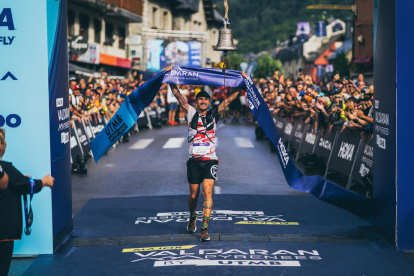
pixel 341 64
pixel 234 60
pixel 267 67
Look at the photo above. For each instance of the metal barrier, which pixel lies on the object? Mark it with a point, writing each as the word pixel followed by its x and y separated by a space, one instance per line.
pixel 343 152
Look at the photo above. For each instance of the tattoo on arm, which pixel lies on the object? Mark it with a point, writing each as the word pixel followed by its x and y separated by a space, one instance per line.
pixel 180 98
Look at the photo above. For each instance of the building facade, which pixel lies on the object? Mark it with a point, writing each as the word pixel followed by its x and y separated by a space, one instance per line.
pixel 97 32
pixel 312 55
pixel 175 32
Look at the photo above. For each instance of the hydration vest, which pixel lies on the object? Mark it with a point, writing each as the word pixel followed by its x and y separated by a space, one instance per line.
pixel 208 122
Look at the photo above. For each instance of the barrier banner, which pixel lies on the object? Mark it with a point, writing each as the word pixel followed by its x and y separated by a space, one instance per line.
pixel 152 113
pixel 83 139
pixel 344 151
pixel 280 125
pixel 315 185
pixel 308 141
pixel 88 129
pixel 297 134
pixel 75 148
pixel 97 125
pixel 324 144
pixel 364 161
pixel 142 119
pixel 287 131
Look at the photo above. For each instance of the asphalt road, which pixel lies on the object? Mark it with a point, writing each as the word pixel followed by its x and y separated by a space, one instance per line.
pixel 140 169
pixel 130 216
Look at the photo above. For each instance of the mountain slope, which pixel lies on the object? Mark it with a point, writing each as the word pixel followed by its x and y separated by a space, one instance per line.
pixel 259 24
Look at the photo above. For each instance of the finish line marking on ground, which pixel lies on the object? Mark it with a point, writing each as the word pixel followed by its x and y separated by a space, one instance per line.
pixel 244 143
pixel 216 190
pixel 268 222
pixel 141 144
pixel 174 143
pixel 129 250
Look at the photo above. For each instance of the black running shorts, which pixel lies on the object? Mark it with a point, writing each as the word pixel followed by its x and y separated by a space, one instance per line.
pixel 197 171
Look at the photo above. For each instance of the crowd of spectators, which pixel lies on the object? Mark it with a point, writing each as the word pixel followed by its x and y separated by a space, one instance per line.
pixel 99 97
pixel 342 102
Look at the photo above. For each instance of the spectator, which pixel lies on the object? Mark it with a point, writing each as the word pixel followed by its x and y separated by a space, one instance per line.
pixel 11 226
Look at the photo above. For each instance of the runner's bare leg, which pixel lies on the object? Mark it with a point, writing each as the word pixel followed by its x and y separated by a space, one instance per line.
pixel 193 198
pixel 208 200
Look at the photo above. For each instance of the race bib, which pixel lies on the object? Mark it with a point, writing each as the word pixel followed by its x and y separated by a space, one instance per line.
pixel 201 148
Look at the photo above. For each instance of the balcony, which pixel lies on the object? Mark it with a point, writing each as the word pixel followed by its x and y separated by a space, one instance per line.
pixel 126 10
pixel 135 6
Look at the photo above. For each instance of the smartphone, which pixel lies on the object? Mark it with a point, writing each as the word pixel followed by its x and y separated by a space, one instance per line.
pixel 279 98
pixel 346 77
pixel 313 101
pixel 299 98
pixel 96 75
pixel 341 104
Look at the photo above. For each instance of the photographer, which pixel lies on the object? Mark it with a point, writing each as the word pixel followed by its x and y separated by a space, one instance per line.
pixel 11 220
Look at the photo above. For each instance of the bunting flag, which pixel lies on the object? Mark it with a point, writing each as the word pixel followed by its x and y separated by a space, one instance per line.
pixel 136 102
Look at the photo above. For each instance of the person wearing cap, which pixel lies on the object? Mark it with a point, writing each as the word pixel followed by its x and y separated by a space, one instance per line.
pixel 203 162
pixel 11 192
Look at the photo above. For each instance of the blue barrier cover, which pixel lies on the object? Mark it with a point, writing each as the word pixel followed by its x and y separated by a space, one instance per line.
pixel 315 185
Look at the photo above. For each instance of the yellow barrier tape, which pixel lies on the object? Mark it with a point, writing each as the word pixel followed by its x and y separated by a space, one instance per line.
pixel 126 250
pixel 268 222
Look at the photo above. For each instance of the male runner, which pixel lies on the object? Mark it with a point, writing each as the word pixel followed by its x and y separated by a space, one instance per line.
pixel 203 162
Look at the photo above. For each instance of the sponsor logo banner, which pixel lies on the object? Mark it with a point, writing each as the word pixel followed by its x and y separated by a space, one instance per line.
pixel 226 263
pixel 126 250
pixel 268 222
pixel 188 255
pixel 221 215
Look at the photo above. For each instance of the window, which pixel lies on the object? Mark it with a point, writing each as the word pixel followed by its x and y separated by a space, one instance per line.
pixel 71 23
pixel 121 35
pixel 165 20
pixel 83 25
pixel 154 18
pixel 97 26
pixel 109 32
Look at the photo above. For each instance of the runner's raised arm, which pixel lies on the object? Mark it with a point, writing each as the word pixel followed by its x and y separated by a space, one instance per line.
pixel 232 96
pixel 180 98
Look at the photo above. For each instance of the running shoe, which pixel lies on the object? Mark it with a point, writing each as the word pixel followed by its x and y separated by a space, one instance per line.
pixel 192 227
pixel 204 235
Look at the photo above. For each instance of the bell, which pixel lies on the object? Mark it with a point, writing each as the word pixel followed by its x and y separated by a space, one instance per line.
pixel 225 42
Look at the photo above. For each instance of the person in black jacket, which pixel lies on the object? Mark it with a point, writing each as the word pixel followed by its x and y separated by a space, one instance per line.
pixel 11 219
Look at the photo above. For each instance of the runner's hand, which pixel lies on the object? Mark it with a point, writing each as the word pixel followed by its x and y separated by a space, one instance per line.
pixel 169 68
pixel 244 75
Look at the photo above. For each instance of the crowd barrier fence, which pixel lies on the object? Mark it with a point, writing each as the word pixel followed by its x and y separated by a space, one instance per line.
pixel 343 152
pixel 82 133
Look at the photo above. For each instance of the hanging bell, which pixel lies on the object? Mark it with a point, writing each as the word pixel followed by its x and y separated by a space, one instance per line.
pixel 225 42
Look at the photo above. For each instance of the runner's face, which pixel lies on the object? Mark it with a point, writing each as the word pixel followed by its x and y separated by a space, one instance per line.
pixel 203 103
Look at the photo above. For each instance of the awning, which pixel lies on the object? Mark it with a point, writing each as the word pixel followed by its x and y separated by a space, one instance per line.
pixel 79 70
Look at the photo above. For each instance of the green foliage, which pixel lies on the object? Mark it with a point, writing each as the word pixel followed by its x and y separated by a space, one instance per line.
pixel 341 65
pixel 234 60
pixel 258 24
pixel 267 67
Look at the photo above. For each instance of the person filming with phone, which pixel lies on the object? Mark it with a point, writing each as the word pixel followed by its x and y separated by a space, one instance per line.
pixel 11 219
